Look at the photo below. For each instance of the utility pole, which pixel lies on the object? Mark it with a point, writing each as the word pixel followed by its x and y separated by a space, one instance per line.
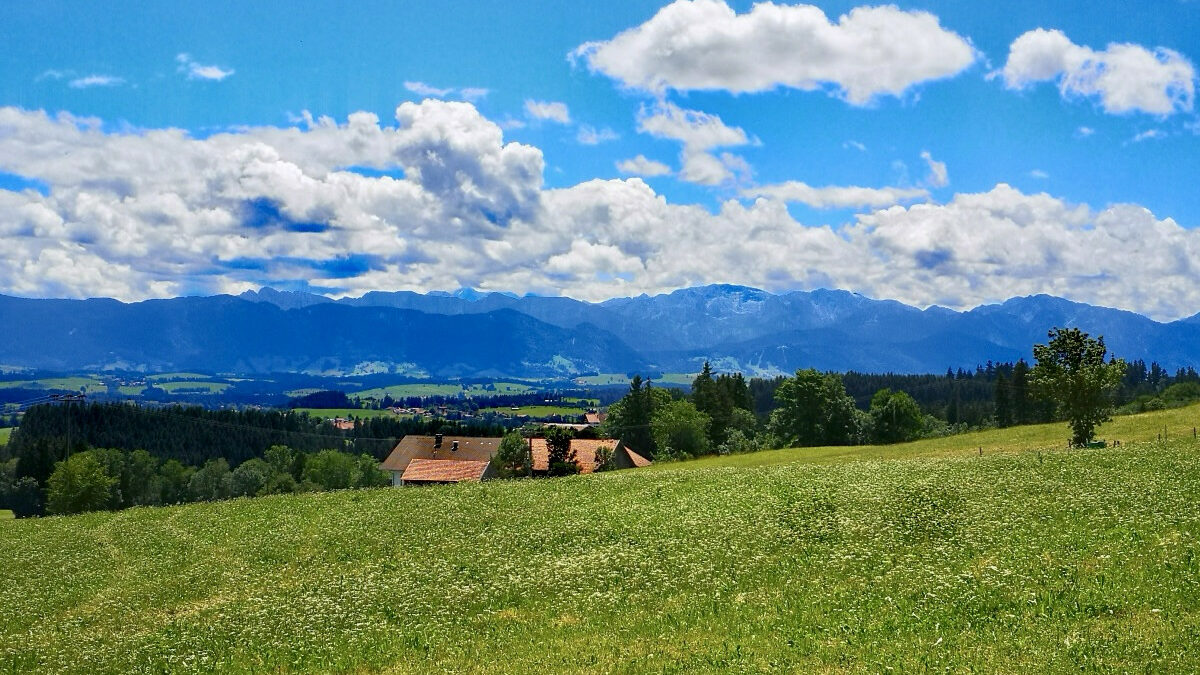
pixel 68 399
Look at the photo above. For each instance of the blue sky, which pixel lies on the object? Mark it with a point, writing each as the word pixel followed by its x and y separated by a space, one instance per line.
pixel 900 151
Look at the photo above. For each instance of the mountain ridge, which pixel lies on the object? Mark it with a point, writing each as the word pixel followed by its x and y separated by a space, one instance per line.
pixel 470 333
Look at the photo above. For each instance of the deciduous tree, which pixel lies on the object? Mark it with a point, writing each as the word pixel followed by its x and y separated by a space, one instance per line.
pixel 78 484
pixel 1071 371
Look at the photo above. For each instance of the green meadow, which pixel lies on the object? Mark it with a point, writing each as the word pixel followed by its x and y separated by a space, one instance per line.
pixel 919 557
pixel 537 411
pixel 192 386
pixel 606 379
pixel 84 384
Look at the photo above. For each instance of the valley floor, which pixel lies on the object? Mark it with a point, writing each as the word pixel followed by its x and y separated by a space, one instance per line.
pixel 925 556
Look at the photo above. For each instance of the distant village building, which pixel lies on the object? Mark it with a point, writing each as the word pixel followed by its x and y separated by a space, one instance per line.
pixel 566 425
pixel 595 418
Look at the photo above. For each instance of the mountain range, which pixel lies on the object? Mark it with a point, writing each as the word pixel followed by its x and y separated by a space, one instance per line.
pixel 472 334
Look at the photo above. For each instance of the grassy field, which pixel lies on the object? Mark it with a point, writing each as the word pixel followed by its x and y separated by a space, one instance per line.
pixel 605 379
pixel 934 559
pixel 192 386
pixel 537 411
pixel 163 377
pixel 1177 423
pixel 404 390
pixel 86 384
pixel 5 434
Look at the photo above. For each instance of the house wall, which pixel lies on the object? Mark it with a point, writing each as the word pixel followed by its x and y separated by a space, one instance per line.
pixel 621 458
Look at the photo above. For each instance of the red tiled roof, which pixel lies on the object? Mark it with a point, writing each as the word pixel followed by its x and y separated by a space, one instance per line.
pixel 595 418
pixel 443 471
pixel 413 447
pixel 585 453
pixel 638 460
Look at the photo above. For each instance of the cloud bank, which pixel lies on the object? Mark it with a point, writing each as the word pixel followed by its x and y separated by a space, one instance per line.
pixel 705 45
pixel 1124 78
pixel 436 199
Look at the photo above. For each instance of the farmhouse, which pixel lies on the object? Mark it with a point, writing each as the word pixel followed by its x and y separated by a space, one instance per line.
pixel 585 454
pixel 422 460
pixel 441 459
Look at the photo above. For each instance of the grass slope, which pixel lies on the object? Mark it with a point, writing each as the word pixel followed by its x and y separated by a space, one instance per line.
pixel 1014 561
pixel 84 384
pixel 5 434
pixel 1177 423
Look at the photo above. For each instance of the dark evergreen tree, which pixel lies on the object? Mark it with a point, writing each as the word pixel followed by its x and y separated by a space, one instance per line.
pixel 1004 408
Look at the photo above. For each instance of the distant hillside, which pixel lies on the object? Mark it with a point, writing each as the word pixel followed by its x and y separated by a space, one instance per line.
pixel 226 334
pixel 501 335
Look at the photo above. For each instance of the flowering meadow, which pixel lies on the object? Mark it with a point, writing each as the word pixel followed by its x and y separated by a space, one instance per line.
pixel 1020 561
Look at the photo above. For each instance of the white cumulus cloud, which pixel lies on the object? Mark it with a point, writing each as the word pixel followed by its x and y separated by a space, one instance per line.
pixel 938 175
pixel 1124 78
pixel 699 132
pixel 466 93
pixel 641 166
pixel 89 81
pixel 589 135
pixel 422 89
pixel 554 111
pixel 199 71
pixel 450 204
pixel 705 45
pixel 836 196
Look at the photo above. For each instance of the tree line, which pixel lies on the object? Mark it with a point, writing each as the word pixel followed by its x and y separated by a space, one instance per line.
pixel 188 441
pixel 1073 381
pixel 97 479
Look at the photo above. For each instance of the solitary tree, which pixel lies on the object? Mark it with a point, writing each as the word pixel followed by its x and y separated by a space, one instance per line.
pixel 1071 371
pixel 814 409
pixel 79 484
pixel 895 417
pixel 680 431
pixel 512 458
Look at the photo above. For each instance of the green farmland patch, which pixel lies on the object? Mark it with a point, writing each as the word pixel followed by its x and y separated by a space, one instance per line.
pixel 166 377
pixel 536 411
pixel 193 386
pixel 5 434
pixel 84 384
pixel 602 380
pixel 406 390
